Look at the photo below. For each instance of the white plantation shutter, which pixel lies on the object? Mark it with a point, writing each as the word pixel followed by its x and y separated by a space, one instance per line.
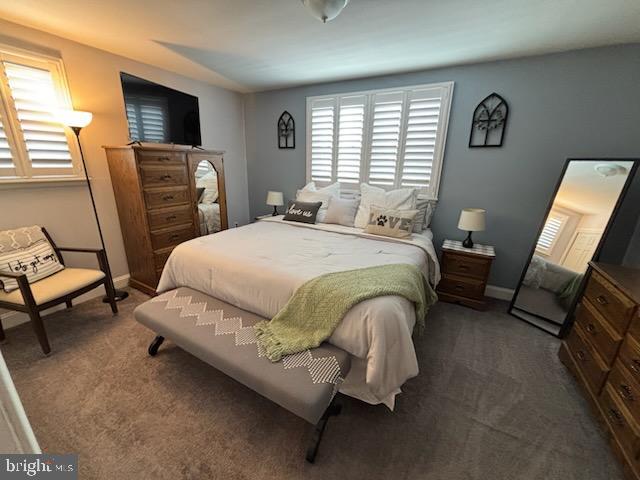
pixel 551 232
pixel 320 140
pixel 6 158
pixel 147 117
pixel 385 138
pixel 34 99
pixel 350 138
pixel 420 139
pixel 390 138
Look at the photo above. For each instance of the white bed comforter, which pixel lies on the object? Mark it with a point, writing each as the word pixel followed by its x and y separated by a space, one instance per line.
pixel 258 267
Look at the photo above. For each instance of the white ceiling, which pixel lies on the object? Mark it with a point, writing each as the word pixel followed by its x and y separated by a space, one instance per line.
pixel 251 45
pixel 585 191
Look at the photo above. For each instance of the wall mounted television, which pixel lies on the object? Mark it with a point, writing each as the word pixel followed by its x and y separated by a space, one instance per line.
pixel 160 114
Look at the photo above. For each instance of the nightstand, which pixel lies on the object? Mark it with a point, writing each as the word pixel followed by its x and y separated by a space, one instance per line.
pixel 261 217
pixel 465 272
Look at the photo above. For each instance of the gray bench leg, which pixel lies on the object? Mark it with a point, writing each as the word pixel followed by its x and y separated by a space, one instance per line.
pixel 155 345
pixel 332 410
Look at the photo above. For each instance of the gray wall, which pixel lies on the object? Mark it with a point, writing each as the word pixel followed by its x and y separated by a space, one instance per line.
pixel 577 104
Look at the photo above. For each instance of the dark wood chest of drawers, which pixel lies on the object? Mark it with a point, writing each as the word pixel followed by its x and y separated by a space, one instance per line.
pixel 155 194
pixel 603 352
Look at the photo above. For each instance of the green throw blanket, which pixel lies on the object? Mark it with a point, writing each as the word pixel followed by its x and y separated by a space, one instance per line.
pixel 319 305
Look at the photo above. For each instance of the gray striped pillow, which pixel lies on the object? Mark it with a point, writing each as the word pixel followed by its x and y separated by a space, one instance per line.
pixel 37 261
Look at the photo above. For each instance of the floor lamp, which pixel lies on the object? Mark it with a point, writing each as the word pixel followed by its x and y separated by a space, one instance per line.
pixel 76 121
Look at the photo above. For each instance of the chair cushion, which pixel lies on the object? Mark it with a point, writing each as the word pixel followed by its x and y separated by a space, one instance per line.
pixel 222 336
pixel 57 285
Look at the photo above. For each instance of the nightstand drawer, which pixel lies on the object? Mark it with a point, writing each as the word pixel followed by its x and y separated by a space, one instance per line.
pixel 467 266
pixel 461 286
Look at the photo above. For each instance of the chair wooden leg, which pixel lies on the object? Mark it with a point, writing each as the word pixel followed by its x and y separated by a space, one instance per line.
pixel 38 327
pixel 69 303
pixel 2 337
pixel 111 295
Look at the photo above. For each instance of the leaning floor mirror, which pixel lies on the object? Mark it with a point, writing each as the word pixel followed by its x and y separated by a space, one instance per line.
pixel 578 218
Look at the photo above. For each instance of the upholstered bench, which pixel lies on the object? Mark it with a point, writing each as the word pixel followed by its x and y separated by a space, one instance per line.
pixel 222 336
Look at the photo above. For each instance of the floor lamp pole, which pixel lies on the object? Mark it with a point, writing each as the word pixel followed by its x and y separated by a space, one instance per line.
pixel 119 294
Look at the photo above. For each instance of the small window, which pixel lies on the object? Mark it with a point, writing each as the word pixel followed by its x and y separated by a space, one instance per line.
pixel 551 232
pixel 390 138
pixel 32 143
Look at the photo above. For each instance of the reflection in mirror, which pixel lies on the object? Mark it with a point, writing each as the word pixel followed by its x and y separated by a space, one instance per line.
pixel 208 198
pixel 570 238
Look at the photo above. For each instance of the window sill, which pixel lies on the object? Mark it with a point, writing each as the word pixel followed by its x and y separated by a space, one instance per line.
pixel 45 182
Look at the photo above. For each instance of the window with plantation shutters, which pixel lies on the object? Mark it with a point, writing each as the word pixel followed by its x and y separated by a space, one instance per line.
pixel 551 232
pixel 33 144
pixel 390 138
pixel 147 118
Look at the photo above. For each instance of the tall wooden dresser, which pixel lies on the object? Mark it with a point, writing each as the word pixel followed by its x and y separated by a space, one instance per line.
pixel 603 352
pixel 155 193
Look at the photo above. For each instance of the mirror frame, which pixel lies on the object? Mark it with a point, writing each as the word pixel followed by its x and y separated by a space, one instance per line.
pixel 217 162
pixel 565 326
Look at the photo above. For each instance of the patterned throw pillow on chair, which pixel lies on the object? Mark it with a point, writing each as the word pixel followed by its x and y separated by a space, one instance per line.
pixel 390 223
pixel 37 261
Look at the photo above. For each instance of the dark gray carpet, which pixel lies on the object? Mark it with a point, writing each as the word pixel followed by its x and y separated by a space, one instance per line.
pixel 492 401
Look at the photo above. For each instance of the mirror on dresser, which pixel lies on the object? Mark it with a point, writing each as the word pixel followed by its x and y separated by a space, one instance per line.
pixel 572 233
pixel 209 194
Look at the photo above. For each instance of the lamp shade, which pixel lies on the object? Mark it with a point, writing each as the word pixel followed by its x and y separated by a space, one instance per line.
pixel 472 219
pixel 275 199
pixel 74 118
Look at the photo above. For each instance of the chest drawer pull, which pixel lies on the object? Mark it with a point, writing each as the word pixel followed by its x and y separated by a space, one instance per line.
pixel 171 217
pixel 591 328
pixel 635 365
pixel 581 356
pixel 164 159
pixel 167 197
pixel 175 236
pixel 626 393
pixel 166 177
pixel 602 300
pixel 615 416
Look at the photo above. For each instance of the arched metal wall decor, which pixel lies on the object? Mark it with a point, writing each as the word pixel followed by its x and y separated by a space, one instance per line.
pixel 489 122
pixel 286 131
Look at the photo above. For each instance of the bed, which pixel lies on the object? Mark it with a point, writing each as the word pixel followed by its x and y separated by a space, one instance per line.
pixel 209 218
pixel 258 267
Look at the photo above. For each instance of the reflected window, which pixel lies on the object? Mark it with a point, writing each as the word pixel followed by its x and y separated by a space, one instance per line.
pixel 551 232
pixel 147 118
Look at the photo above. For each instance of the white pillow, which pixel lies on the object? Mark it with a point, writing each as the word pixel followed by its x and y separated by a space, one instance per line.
pixel 209 182
pixel 342 211
pixel 332 190
pixel 425 209
pixel 401 199
pixel 312 197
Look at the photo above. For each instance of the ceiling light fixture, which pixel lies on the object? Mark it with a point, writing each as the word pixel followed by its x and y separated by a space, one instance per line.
pixel 610 169
pixel 325 10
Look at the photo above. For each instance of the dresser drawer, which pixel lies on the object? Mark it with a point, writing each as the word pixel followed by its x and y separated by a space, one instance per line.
pixel 461 286
pixel 161 158
pixel 609 301
pixel 166 197
pixel 171 216
pixel 160 257
pixel 629 356
pixel 160 176
pixel 171 236
pixel 619 419
pixel 590 365
pixel 463 265
pixel 597 331
pixel 627 390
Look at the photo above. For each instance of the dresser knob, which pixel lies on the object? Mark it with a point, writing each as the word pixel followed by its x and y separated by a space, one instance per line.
pixel 165 177
pixel 602 300
pixel 591 328
pixel 581 356
pixel 615 416
pixel 168 197
pixel 171 217
pixel 625 392
pixel 463 267
pixel 460 287
pixel 175 236
pixel 635 365
pixel 163 159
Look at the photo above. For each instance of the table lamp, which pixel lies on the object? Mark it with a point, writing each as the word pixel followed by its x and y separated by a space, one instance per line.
pixel 471 220
pixel 275 199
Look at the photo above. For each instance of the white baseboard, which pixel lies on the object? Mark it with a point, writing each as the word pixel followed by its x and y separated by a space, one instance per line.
pixel 12 319
pixel 500 293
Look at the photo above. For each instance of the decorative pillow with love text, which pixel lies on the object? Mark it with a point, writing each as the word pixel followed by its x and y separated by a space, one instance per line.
pixel 390 223
pixel 305 212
